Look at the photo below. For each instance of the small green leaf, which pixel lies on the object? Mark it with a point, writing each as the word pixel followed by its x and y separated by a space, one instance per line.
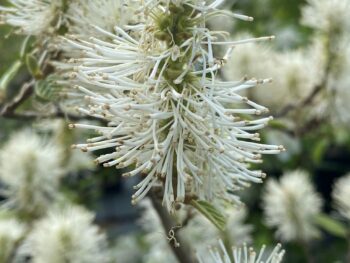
pixel 319 150
pixel 279 125
pixel 9 75
pixel 210 212
pixel 48 89
pixel 33 66
pixel 331 225
pixel 24 48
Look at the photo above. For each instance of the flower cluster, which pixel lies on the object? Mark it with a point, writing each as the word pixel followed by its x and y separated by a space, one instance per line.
pixel 243 255
pixel 11 232
pixel 170 117
pixel 30 169
pixel 341 195
pixel 291 205
pixel 66 235
pixel 34 17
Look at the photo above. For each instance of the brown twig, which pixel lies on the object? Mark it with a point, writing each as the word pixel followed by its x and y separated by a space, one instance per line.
pixel 305 102
pixel 30 116
pixel 25 92
pixel 182 252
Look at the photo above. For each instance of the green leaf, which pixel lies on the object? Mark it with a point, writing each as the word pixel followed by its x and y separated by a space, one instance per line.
pixel 48 89
pixel 210 212
pixel 33 66
pixel 10 73
pixel 24 48
pixel 319 150
pixel 331 225
pixel 279 125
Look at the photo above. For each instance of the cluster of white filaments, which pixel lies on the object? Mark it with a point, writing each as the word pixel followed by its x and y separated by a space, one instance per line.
pixel 242 255
pixel 341 195
pixel 66 235
pixel 102 13
pixel 30 172
pixel 291 205
pixel 33 17
pixel 169 116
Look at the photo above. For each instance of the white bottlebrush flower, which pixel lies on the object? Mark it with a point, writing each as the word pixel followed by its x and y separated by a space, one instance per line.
pixel 242 255
pixel 11 232
pixel 66 235
pixel 85 15
pixel 341 196
pixel 167 112
pixel 34 17
pixel 73 161
pixel 330 19
pixel 291 205
pixel 338 90
pixel 30 170
pixel 237 231
pixel 329 16
pixel 291 82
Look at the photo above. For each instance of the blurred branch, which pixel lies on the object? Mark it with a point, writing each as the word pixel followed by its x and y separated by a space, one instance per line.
pixel 305 102
pixel 25 92
pixel 58 114
pixel 182 252
pixel 9 109
pixel 317 89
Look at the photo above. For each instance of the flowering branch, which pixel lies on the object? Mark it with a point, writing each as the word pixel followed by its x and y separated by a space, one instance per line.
pixel 182 251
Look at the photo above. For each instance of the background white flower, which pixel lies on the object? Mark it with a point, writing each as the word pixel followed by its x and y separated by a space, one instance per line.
pixel 341 196
pixel 66 235
pixel 327 15
pixel 291 82
pixel 34 17
pixel 11 232
pixel 85 15
pixel 290 205
pixel 30 170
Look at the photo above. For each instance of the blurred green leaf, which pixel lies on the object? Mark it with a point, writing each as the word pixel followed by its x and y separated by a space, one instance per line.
pixel 331 225
pixel 33 66
pixel 8 76
pixel 210 212
pixel 48 89
pixel 24 48
pixel 320 149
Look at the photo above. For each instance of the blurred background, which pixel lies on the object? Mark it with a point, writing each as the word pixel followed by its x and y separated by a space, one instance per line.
pixel 310 121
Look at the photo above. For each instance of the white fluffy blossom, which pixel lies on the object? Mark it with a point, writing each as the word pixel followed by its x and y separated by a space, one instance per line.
pixel 327 15
pixel 242 255
pixel 290 205
pixel 34 17
pixel 11 232
pixel 341 196
pixel 66 235
pixel 85 15
pixel 30 170
pixel 291 81
pixel 330 20
pixel 169 116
